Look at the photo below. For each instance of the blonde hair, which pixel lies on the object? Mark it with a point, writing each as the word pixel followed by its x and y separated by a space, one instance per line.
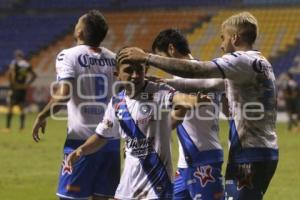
pixel 245 24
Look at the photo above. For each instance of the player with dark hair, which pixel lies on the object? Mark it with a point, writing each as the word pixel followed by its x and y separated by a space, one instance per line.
pixel 85 78
pixel 21 75
pixel 200 151
pixel 167 37
pixel 140 115
pixel 251 91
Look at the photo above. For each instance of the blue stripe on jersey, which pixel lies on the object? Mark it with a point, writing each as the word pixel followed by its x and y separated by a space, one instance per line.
pixel 193 156
pixel 152 165
pixel 242 155
pixel 233 135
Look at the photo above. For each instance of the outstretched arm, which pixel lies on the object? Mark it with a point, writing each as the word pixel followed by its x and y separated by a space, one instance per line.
pixel 61 95
pixel 178 67
pixel 32 77
pixel 184 102
pixel 196 85
pixel 177 116
pixel 93 144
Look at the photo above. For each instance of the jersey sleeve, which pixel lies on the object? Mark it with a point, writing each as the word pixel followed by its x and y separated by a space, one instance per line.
pixel 64 66
pixel 109 126
pixel 233 66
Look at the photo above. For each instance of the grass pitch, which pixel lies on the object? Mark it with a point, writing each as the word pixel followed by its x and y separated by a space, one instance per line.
pixel 29 171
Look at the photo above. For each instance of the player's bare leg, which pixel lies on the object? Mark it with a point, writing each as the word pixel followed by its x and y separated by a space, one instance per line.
pixel 22 117
pixel 8 118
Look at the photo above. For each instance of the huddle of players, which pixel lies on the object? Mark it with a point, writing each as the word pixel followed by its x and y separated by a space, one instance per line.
pixel 91 160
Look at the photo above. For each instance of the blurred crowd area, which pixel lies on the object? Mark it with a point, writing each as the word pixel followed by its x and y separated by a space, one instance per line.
pixel 42 28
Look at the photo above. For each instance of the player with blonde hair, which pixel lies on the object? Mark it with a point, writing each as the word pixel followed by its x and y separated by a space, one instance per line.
pixel 251 91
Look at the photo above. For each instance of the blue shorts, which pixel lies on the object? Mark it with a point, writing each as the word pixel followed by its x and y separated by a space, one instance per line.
pixel 96 174
pixel 202 182
pixel 248 181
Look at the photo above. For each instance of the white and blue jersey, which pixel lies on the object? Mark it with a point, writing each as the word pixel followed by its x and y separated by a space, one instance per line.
pixel 90 73
pixel 251 91
pixel 146 128
pixel 200 152
pixel 199 135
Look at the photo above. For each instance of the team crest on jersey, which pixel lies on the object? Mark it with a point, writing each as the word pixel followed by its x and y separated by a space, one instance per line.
pixel 204 174
pixel 145 109
pixel 119 113
pixel 65 168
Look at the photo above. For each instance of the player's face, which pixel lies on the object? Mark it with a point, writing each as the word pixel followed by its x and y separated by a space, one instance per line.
pixel 133 73
pixel 227 40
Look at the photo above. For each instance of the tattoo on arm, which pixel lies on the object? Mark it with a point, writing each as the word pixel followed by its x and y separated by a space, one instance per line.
pixel 185 68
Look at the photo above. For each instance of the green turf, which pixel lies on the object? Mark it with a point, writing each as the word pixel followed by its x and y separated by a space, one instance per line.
pixel 29 171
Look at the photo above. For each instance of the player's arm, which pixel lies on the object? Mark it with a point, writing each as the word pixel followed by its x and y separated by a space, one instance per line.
pixel 195 85
pixel 225 105
pixel 61 95
pixel 12 75
pixel 184 102
pixel 32 76
pixel 178 67
pixel 188 100
pixel 93 144
pixel 177 115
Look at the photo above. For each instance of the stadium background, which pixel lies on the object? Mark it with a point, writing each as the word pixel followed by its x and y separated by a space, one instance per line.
pixel 42 28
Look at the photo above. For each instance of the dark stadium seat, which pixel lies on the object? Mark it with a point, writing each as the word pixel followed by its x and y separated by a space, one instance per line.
pixel 31 33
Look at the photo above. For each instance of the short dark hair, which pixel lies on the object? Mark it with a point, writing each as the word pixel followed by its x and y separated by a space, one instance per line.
pixel 171 36
pixel 127 62
pixel 95 28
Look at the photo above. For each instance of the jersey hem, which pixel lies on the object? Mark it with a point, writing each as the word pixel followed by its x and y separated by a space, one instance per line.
pixel 148 198
pixel 255 155
pixel 69 197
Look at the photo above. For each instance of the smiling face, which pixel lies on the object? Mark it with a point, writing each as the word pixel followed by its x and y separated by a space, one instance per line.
pixel 134 73
pixel 228 38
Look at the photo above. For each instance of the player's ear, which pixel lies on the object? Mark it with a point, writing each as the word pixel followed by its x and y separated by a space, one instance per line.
pixel 235 39
pixel 80 34
pixel 171 50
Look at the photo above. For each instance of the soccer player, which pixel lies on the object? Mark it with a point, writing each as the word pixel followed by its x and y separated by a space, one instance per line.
pixel 200 152
pixel 85 78
pixel 251 91
pixel 138 114
pixel 21 75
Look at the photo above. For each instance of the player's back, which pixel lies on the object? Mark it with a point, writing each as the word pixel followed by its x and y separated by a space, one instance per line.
pixel 92 72
pixel 251 90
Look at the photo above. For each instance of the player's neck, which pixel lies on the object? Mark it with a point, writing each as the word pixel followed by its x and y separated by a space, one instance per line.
pixel 244 48
pixel 136 91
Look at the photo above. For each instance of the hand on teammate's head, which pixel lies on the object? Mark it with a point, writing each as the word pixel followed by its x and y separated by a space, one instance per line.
pixel 132 54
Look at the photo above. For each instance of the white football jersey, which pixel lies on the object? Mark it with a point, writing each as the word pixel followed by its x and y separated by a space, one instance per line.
pixel 251 91
pixel 91 70
pixel 146 128
pixel 199 132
